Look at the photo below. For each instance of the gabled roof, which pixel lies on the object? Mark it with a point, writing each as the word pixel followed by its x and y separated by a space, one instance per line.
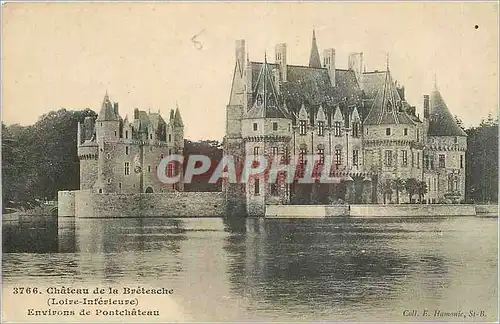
pixel 107 110
pixel 387 108
pixel 441 121
pixel 266 102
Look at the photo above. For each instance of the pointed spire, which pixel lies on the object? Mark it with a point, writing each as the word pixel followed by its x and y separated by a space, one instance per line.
pixel 314 60
pixel 177 117
pixel 107 111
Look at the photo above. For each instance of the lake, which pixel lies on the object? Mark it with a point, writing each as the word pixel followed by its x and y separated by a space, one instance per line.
pixel 335 269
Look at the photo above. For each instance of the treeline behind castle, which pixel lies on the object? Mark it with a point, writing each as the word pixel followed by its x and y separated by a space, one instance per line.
pixel 41 159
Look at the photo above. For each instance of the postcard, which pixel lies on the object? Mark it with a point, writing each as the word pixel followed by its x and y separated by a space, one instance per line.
pixel 249 162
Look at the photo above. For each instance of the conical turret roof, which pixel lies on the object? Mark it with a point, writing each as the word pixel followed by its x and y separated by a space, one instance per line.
pixel 441 121
pixel 107 111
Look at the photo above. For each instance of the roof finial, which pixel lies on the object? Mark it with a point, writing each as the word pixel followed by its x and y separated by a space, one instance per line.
pixel 265 57
pixel 314 32
pixel 435 82
pixel 387 64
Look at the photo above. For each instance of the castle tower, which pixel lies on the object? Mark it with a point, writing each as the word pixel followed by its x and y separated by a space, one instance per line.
pixel 391 139
pixel 87 153
pixel 107 135
pixel 447 144
pixel 266 132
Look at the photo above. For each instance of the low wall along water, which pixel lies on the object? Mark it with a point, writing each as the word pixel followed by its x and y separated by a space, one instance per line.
pixel 86 204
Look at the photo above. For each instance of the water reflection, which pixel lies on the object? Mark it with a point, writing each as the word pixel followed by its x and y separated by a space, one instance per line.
pixel 257 269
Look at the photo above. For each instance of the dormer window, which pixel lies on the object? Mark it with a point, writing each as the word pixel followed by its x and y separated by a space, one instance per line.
pixel 388 131
pixel 355 129
pixel 255 126
pixel 406 131
pixel 275 126
pixel 126 134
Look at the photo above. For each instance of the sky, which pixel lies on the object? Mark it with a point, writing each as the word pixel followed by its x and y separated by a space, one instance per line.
pixel 67 55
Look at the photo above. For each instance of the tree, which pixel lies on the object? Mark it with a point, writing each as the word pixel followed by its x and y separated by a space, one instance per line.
pixel 399 185
pixel 386 189
pixel 411 187
pixel 481 162
pixel 41 159
pixel 421 190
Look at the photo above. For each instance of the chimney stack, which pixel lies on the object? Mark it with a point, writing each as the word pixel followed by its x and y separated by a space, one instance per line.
pixel 280 53
pixel 426 106
pixel 355 63
pixel 329 64
pixel 240 56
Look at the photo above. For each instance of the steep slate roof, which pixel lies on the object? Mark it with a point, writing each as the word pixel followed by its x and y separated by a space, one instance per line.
pixel 312 87
pixel 371 83
pixel 107 110
pixel 266 101
pixel 441 121
pixel 387 108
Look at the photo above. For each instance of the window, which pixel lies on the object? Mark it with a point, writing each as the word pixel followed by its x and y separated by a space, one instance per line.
pixel 355 157
pixel 169 151
pixel 108 156
pixel 435 184
pixel 127 168
pixel 337 130
pixel 109 180
pixel 289 127
pixel 442 163
pixel 321 153
pixel 406 131
pixel 461 161
pixel 256 150
pixel 302 153
pixel 355 129
pixel 115 133
pixel 302 127
pixel 426 162
pixel 418 160
pixel 431 160
pixel 387 131
pixel 126 150
pixel 170 137
pixel 126 134
pixel 151 136
pixel 338 157
pixel 120 185
pixel 254 126
pixel 161 156
pixel 404 157
pixel 388 158
pixel 257 187
pixel 456 140
pixel 418 134
pixel 100 190
pixel 412 159
pixel 275 126
pixel 274 151
pixel 321 128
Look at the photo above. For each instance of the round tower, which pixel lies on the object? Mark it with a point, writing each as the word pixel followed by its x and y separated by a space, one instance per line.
pixel 87 153
pixel 107 135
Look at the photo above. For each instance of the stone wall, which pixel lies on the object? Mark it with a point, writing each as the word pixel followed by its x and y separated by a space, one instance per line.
pixel 487 209
pixel 172 204
pixel 413 210
pixel 66 203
